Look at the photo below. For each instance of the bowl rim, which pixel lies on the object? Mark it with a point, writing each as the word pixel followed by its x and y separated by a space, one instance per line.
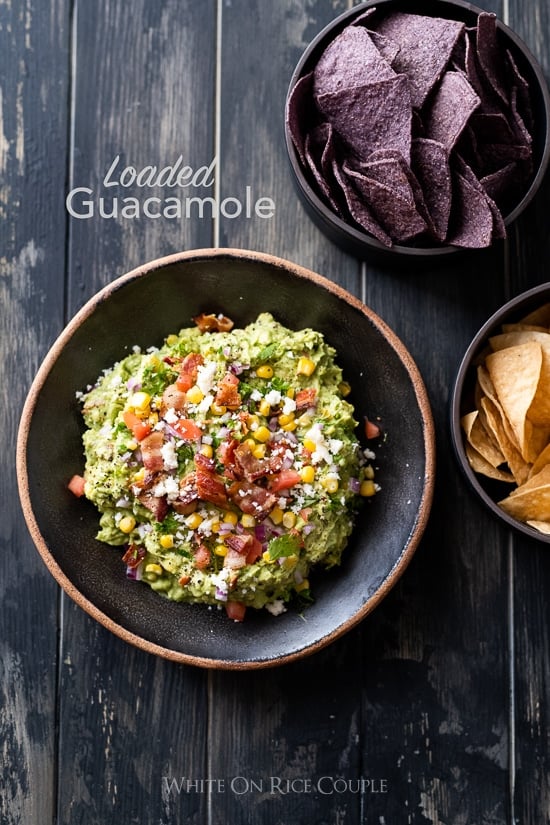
pixel 463 373
pixel 216 253
pixel 359 238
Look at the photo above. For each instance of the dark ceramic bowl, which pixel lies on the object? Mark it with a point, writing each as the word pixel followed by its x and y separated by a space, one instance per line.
pixel 462 402
pixel 164 295
pixel 348 235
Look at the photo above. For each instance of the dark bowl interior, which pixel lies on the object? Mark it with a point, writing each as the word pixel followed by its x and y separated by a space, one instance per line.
pixel 142 308
pixel 489 490
pixel 353 239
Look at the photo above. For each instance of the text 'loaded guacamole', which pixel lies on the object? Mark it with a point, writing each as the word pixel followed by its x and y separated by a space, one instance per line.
pixel 225 462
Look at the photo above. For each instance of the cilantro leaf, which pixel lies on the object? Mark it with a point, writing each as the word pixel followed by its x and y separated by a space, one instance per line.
pixel 283 546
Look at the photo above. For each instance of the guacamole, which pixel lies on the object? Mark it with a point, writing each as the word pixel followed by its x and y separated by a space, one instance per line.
pixel 225 462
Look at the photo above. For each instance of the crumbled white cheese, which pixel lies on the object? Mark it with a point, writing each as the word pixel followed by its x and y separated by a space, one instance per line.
pixel 205 376
pixel 289 406
pixel 276 608
pixel 169 456
pixel 170 416
pixel 273 398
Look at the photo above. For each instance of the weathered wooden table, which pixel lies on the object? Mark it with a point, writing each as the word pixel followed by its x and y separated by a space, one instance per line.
pixel 436 709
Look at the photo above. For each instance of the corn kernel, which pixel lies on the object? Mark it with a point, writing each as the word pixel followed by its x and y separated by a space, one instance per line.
pixel 139 477
pixel 250 443
pixel 344 388
pixel 330 484
pixel 289 562
pixel 127 524
pixel 369 471
pixel 305 366
pixel 153 568
pixel 215 527
pixel 303 585
pixel 132 445
pixel 217 409
pixel 194 395
pixel 247 520
pixel 193 521
pixel 285 418
pixel 252 422
pixel 276 515
pixel 167 541
pixel 310 445
pixel 304 420
pixel 307 474
pixel 267 557
pixel 171 340
pixel 290 393
pixel 140 401
pixel 264 408
pixel 207 450
pixel 265 371
pixel 259 451
pixel 290 427
pixel 262 434
pixel 230 517
pixel 367 488
pixel 220 550
pixel 289 519
pixel 153 418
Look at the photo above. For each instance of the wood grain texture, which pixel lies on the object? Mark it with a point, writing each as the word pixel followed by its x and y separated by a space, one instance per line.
pixel 143 90
pixel 33 125
pixel 531 567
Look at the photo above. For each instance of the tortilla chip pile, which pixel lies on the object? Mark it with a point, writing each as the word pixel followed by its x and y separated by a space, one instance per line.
pixel 416 129
pixel 508 433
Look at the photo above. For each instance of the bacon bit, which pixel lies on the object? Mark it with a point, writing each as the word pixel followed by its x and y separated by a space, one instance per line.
pixel 156 504
pixel 210 486
pixel 189 371
pixel 306 398
pixel 133 556
pixel 241 543
pixel 252 499
pixel 372 430
pixel 305 513
pixel 226 455
pixel 187 496
pixel 228 394
pixel 247 465
pixel 202 557
pixel 278 455
pixel 213 323
pixel 151 451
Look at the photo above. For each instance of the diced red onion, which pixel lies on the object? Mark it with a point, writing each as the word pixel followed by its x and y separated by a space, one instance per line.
pixel 354 485
pixel 134 573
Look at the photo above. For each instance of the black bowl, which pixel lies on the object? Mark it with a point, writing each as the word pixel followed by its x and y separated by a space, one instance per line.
pixel 462 402
pixel 142 307
pixel 347 234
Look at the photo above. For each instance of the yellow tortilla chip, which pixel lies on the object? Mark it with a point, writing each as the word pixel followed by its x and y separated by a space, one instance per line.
pixel 495 420
pixel 481 440
pixel 542 459
pixel 541 526
pixel 515 373
pixel 539 316
pixel 539 410
pixel 531 501
pixel 480 465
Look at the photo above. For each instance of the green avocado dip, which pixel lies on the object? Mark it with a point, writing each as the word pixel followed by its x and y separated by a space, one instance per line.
pixel 225 463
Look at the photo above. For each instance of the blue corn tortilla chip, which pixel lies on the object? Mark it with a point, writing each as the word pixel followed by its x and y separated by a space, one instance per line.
pixel 472 217
pixel 453 103
pixel 425 46
pixel 351 60
pixel 319 152
pixel 358 209
pixel 430 164
pixel 370 117
pixel 490 54
pixel 299 113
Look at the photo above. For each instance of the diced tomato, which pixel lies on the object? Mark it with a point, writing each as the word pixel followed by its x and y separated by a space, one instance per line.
pixel 140 429
pixel 187 429
pixel 235 610
pixel 372 430
pixel 305 513
pixel 184 381
pixel 76 485
pixel 284 480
